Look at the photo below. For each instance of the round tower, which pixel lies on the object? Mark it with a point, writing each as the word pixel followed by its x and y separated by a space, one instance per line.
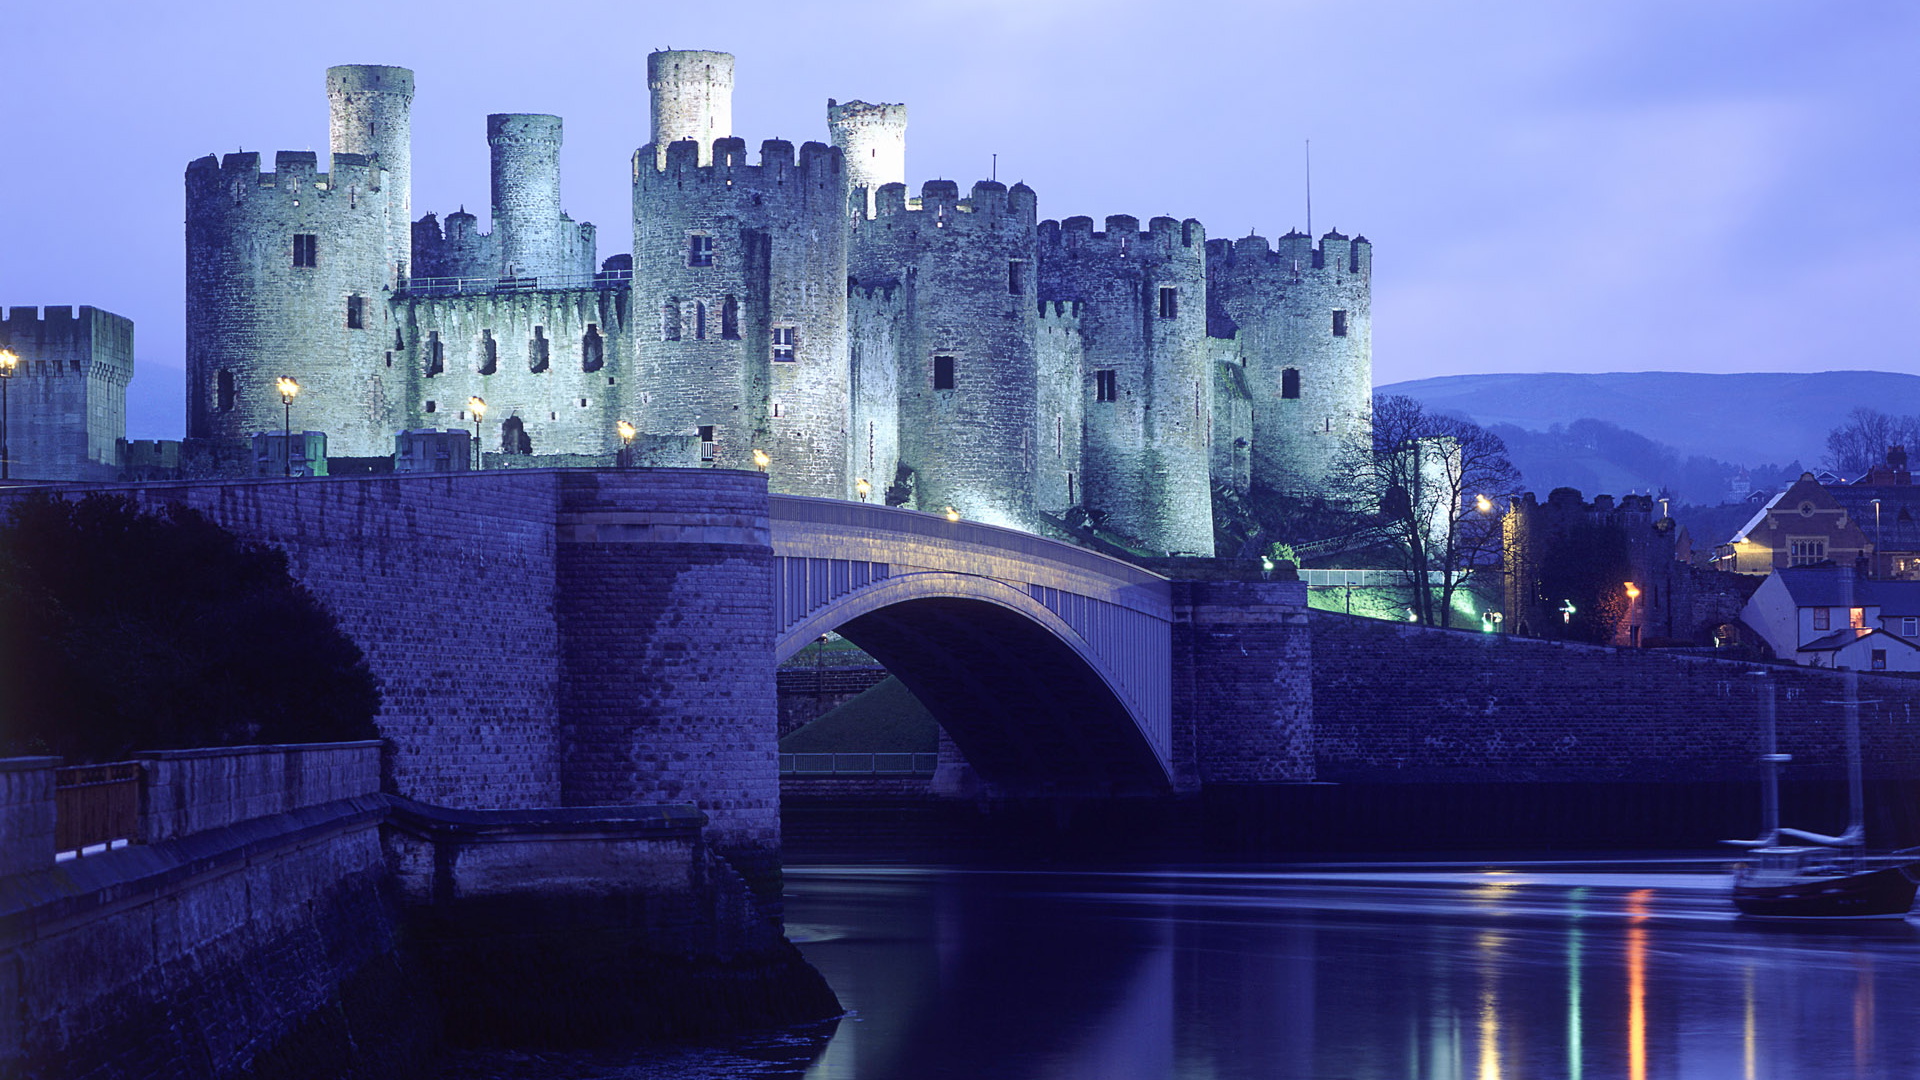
pixel 1303 316
pixel 526 194
pixel 372 115
pixel 692 99
pixel 968 369
pixel 1148 390
pixel 287 274
pixel 873 138
pixel 740 300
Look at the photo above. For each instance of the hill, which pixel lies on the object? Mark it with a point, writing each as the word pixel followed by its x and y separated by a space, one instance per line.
pixel 1750 419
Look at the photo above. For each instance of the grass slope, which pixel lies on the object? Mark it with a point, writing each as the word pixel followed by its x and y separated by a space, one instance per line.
pixel 884 718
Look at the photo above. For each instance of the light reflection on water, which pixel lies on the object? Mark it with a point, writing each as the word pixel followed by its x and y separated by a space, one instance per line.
pixel 1429 973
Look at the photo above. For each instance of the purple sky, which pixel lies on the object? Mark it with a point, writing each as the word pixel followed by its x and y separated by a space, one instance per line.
pixel 1698 186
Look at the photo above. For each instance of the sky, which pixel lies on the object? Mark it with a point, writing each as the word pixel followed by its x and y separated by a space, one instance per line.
pixel 1611 185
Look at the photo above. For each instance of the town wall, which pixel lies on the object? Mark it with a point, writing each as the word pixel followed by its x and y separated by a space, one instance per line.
pixel 873 343
pixel 67 399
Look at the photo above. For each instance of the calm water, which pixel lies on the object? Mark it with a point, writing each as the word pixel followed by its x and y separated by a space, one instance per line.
pixel 1354 971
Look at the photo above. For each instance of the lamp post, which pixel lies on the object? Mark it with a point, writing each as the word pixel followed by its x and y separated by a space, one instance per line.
pixel 478 407
pixel 863 488
pixel 289 389
pixel 1878 545
pixel 761 460
pixel 627 432
pixel 8 362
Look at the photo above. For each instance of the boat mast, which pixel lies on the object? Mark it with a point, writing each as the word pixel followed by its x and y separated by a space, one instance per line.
pixel 1856 794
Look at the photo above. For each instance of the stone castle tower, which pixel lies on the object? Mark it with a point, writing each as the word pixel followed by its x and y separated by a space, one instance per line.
pixel 937 351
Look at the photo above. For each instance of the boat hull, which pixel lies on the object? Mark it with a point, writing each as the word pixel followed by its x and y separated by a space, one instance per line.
pixel 1882 893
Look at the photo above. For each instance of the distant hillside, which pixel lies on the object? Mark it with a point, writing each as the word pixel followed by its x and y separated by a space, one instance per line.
pixel 1753 419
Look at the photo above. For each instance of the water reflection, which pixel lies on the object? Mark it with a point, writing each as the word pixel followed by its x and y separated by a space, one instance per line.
pixel 1437 973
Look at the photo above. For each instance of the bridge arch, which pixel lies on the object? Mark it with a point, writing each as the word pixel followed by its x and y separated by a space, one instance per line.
pixel 1047 664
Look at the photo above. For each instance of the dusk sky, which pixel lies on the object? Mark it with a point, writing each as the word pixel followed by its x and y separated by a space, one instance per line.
pixel 1613 186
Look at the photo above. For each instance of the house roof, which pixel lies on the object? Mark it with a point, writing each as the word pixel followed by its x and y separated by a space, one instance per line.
pixel 1899 526
pixel 1758 517
pixel 1836 586
pixel 1840 639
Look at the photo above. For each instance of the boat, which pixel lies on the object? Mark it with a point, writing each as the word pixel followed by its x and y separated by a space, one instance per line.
pixel 1796 874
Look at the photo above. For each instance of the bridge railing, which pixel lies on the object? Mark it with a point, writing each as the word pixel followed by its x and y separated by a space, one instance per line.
pixel 876 764
pixel 96 806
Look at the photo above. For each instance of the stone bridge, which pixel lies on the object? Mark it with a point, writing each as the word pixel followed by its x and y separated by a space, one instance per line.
pixel 554 637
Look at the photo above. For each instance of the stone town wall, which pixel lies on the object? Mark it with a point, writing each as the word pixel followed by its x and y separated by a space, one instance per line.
pixel 447 582
pixel 1397 703
pixel 26 814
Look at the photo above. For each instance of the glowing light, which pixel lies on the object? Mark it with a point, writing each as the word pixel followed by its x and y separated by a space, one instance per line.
pixel 478 407
pixel 1483 504
pixel 952 514
pixel 627 432
pixel 1637 985
pixel 1574 936
pixel 289 389
pixel 863 488
pixel 1750 1059
pixel 8 361
pixel 1566 611
pixel 1490 944
pixel 1633 591
pixel 761 460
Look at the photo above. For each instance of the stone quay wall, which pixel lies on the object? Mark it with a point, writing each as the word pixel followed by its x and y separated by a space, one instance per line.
pixel 190 791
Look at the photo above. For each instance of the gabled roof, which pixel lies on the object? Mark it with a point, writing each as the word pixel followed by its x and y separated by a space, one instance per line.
pixel 1754 522
pixel 1828 586
pixel 1840 639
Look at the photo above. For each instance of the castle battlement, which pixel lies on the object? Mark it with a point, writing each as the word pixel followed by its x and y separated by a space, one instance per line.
pixel 988 203
pixel 817 163
pixel 294 171
pixel 1295 251
pixel 1060 316
pixel 1165 238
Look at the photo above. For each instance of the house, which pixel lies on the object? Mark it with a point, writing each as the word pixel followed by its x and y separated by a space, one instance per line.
pixel 1886 504
pixel 1834 617
pixel 1802 526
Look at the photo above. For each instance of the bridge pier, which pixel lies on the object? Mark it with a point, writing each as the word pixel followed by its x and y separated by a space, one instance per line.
pixel 1242 683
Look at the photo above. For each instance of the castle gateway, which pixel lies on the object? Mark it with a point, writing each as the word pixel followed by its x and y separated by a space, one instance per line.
pixel 945 352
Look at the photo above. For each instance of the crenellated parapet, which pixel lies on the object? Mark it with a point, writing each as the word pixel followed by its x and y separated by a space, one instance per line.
pixel 68 393
pixel 1301 312
pixel 873 138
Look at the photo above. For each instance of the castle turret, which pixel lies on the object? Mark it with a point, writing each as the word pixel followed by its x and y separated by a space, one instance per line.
pixel 743 268
pixel 288 274
pixel 873 138
pixel 371 109
pixel 964 342
pixel 1302 315
pixel 1148 384
pixel 527 225
pixel 692 99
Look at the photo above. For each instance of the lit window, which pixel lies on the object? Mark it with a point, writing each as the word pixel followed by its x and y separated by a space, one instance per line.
pixel 1857 618
pixel 783 344
pixel 699 250
pixel 306 249
pixel 1104 386
pixel 943 373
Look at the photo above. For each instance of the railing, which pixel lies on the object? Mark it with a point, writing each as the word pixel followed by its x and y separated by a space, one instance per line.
pixel 96 806
pixel 456 286
pixel 884 764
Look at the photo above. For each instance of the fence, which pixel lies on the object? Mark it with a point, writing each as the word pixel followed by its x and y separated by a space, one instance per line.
pixel 882 764
pixel 96 805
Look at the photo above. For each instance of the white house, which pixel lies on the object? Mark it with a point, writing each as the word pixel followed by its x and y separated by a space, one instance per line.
pixel 1830 616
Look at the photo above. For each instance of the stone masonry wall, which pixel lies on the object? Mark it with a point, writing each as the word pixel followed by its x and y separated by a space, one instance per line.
pixel 1401 703
pixel 26 814
pixel 190 791
pixel 1243 687
pixel 67 400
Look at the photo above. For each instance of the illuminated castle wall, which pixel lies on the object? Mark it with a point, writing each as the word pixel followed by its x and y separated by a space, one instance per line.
pixel 949 350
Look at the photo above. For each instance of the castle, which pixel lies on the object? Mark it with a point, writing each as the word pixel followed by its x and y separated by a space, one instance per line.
pixel 797 311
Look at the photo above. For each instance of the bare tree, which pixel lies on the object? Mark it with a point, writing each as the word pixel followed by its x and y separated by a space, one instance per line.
pixel 1434 483
pixel 1862 441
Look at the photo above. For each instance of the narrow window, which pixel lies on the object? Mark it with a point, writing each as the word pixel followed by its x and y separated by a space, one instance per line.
pixel 225 391
pixel 436 356
pixel 870 458
pixel 730 319
pixel 783 344
pixel 943 373
pixel 670 321
pixel 700 321
pixel 389 357
pixel 356 312
pixel 1822 619
pixel 399 343
pixel 537 351
pixel 1909 628
pixel 699 250
pixel 777 414
pixel 1169 303
pixel 1105 386
pixel 431 405
pixel 1016 277
pixel 306 249
pixel 1059 436
pixel 1879 659
pixel 593 349
pixel 1290 382
pixel 1339 322
pixel 489 353
pixel 706 443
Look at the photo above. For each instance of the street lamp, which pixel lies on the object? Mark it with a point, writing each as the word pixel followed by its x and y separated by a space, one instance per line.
pixel 1483 504
pixel 952 514
pixel 1878 546
pixel 626 432
pixel 478 407
pixel 289 389
pixel 8 361
pixel 863 488
pixel 761 460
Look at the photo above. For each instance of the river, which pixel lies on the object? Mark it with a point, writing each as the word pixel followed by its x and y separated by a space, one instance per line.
pixel 1354 970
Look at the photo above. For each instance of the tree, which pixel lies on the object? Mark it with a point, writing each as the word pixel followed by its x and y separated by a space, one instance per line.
pixel 1433 482
pixel 123 631
pixel 1863 440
